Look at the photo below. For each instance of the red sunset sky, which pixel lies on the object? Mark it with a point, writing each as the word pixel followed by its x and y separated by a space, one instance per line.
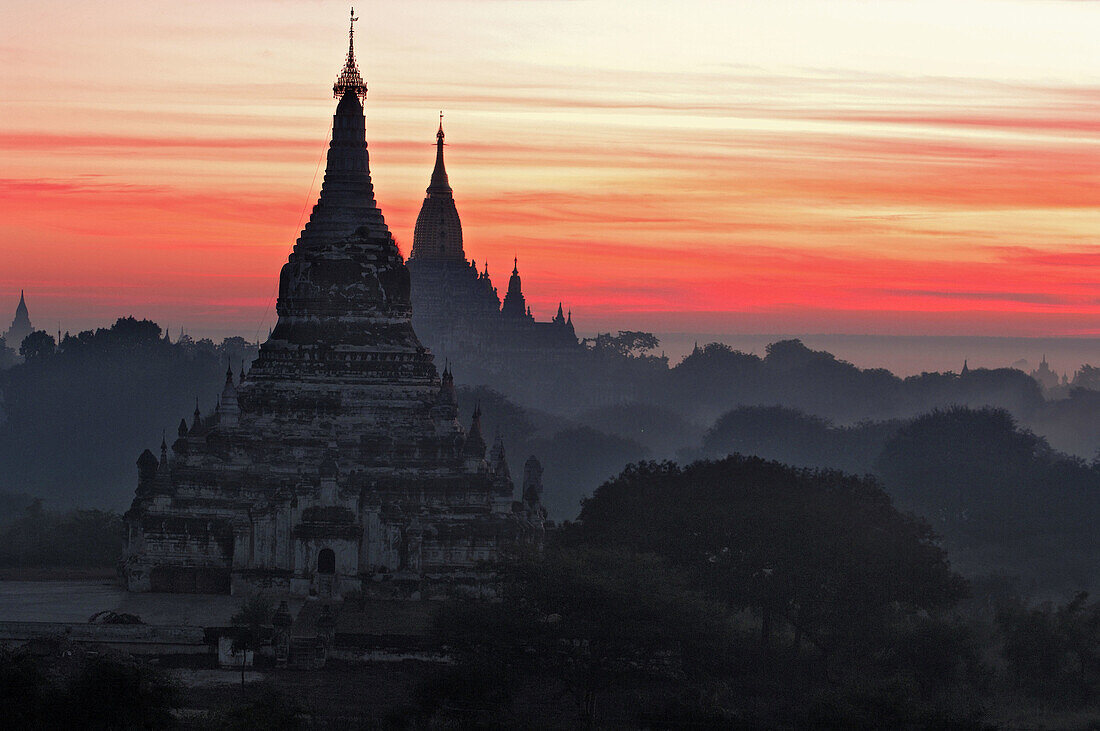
pixel 805 166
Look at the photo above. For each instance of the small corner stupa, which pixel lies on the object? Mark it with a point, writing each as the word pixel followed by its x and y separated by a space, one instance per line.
pixel 338 462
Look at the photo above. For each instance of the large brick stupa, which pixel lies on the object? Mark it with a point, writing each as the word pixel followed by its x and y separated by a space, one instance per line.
pixel 337 462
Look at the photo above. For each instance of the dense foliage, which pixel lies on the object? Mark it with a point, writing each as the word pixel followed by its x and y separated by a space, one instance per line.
pixel 823 552
pixel 587 618
pixel 68 689
pixel 75 416
pixel 738 592
pixel 796 438
pixel 743 593
pixel 976 472
pixel 1003 499
pixel 80 538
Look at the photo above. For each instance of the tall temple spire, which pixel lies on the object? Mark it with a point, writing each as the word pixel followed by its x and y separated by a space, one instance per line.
pixel 438 231
pixel 349 79
pixel 346 203
pixel 439 183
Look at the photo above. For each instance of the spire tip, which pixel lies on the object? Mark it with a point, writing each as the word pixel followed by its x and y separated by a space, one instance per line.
pixel 350 80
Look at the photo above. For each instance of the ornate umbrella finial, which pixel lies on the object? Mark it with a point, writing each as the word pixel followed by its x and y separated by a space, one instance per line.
pixel 350 80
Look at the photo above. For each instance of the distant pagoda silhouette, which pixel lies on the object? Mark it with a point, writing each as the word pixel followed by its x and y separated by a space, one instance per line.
pixel 20 326
pixel 337 462
pixel 458 312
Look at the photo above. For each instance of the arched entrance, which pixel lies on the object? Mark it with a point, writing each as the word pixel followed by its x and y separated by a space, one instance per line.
pixel 326 561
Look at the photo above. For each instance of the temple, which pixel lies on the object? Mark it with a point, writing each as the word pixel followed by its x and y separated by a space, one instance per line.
pixel 337 462
pixel 459 313
pixel 20 326
pixel 1045 376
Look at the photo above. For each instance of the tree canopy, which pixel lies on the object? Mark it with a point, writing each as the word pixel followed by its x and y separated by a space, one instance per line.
pixel 822 551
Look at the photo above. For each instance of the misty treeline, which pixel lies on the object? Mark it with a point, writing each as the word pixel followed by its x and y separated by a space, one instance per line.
pixel 34 537
pixel 75 416
pixel 1003 500
pixel 748 594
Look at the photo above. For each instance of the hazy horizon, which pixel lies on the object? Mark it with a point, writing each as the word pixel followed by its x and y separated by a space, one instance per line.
pixel 904 355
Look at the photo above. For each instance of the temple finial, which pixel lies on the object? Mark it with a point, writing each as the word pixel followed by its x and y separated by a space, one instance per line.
pixel 350 80
pixel 351 35
pixel 439 183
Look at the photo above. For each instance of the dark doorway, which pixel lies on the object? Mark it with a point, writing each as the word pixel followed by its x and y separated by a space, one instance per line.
pixel 326 561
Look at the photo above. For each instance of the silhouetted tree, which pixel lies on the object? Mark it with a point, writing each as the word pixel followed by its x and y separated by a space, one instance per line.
pixel 131 332
pixel 823 552
pixel 976 472
pixel 251 622
pixel 1053 652
pixel 80 538
pixel 8 356
pixel 1087 376
pixel 795 438
pixel 109 693
pixel 588 618
pixel 627 344
pixel 71 689
pixel 38 345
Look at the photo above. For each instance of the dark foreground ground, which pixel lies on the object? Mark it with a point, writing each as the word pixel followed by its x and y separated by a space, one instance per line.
pixel 393 696
pixel 339 696
pixel 347 696
pixel 399 694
